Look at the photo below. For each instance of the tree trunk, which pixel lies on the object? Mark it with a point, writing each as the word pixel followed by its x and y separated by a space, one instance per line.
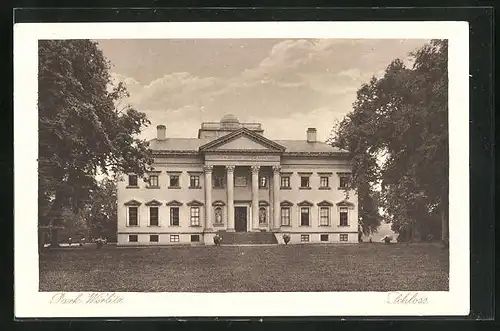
pixel 55 215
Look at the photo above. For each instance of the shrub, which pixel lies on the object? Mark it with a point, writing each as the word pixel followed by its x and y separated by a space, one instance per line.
pixel 387 239
pixel 286 239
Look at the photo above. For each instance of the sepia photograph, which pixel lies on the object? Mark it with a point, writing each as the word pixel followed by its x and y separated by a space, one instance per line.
pixel 208 165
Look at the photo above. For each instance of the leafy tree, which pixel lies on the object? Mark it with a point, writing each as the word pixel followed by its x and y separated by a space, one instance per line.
pixel 82 131
pixel 401 118
pixel 101 215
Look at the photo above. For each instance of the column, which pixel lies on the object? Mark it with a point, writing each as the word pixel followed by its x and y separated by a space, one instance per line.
pixel 208 196
pixel 276 198
pixel 255 196
pixel 230 197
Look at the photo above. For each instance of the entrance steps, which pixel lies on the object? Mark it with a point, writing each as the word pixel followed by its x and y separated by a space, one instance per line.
pixel 248 238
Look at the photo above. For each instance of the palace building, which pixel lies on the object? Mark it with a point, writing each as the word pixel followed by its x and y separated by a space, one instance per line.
pixel 233 181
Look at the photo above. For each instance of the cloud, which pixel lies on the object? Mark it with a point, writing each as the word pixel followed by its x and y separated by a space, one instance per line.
pixel 299 83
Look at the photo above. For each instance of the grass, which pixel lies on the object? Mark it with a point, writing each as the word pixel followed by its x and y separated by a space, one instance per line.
pixel 294 268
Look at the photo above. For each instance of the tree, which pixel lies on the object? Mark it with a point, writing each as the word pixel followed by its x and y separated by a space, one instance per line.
pixel 401 118
pixel 82 132
pixel 101 215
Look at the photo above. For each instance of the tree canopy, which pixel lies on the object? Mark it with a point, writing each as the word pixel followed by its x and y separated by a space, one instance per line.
pixel 82 131
pixel 398 136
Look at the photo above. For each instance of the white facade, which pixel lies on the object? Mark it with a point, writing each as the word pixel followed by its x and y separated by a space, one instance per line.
pixel 255 185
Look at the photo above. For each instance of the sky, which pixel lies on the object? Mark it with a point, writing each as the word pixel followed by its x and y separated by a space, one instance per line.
pixel 287 85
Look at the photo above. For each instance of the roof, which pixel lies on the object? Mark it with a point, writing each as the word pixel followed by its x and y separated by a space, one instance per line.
pixel 298 146
pixel 193 145
pixel 178 144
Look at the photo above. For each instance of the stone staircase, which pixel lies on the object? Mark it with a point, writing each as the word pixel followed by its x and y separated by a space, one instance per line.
pixel 247 238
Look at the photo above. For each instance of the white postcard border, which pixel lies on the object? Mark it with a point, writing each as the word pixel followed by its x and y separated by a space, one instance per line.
pixel 31 303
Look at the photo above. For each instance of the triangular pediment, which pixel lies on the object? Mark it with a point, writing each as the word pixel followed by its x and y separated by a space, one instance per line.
pixel 132 203
pixel 242 140
pixel 345 203
pixel 153 203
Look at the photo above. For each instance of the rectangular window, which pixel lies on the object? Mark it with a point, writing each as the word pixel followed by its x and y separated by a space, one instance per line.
pixel 262 182
pixel 174 238
pixel 132 238
pixel 153 216
pixel 344 181
pixel 174 181
pixel 194 181
pixel 304 237
pixel 195 216
pixel 344 221
pixel 174 216
pixel 344 237
pixel 132 180
pixel 323 181
pixel 153 181
pixel 153 238
pixel 304 216
pixel 218 181
pixel 240 181
pixel 323 237
pixel 195 238
pixel 285 181
pixel 304 181
pixel 133 216
pixel 324 216
pixel 285 216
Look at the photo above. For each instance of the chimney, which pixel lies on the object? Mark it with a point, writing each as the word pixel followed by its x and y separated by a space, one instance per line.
pixel 161 132
pixel 311 135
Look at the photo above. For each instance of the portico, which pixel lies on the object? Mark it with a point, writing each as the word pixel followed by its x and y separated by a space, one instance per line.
pixel 257 189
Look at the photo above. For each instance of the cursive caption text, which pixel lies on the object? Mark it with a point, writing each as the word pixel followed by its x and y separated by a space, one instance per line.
pixel 406 298
pixel 86 298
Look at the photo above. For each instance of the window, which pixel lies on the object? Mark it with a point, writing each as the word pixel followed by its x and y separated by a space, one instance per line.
pixel 153 216
pixel 132 238
pixel 194 181
pixel 195 238
pixel 285 182
pixel 153 181
pixel 324 216
pixel 304 216
pixel 285 216
pixel 323 237
pixel 240 181
pixel 153 238
pixel 344 237
pixel 174 216
pixel 304 237
pixel 262 181
pixel 323 181
pixel 195 216
pixel 262 215
pixel 304 181
pixel 132 180
pixel 344 217
pixel 218 215
pixel 218 181
pixel 343 181
pixel 133 216
pixel 174 181
pixel 174 238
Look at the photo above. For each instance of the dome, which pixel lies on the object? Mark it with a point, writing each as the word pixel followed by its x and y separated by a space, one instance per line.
pixel 229 118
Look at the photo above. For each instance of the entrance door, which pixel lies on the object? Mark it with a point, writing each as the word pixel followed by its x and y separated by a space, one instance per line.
pixel 240 219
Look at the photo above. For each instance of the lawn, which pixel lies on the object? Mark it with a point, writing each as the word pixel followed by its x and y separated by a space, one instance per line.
pixel 297 268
